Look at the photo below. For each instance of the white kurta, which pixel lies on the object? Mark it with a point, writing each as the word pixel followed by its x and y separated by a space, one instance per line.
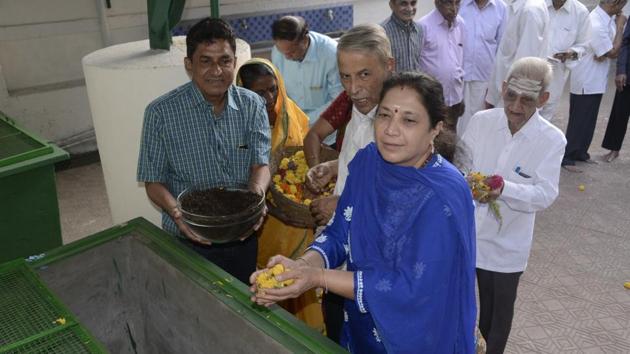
pixel 526 35
pixel 359 133
pixel 529 162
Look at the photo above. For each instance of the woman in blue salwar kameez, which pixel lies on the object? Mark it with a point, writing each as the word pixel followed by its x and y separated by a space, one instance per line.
pixel 405 227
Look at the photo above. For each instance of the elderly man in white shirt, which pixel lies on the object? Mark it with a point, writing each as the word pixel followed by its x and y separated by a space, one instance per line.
pixel 526 35
pixel 589 79
pixel 570 29
pixel 484 22
pixel 516 143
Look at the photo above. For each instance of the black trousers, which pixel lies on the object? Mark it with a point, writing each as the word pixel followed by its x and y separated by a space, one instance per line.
pixel 237 258
pixel 583 110
pixel 618 121
pixel 497 294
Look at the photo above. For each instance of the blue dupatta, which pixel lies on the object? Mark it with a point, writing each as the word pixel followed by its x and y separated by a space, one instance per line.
pixel 408 236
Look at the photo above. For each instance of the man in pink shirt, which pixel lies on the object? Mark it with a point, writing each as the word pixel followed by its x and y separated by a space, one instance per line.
pixel 442 54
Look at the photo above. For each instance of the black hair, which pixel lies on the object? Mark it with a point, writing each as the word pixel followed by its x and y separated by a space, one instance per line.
pixel 209 30
pixel 289 28
pixel 251 72
pixel 432 98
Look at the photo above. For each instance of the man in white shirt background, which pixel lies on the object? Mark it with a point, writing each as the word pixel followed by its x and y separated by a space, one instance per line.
pixel 526 35
pixel 589 79
pixel 570 27
pixel 516 143
pixel 484 24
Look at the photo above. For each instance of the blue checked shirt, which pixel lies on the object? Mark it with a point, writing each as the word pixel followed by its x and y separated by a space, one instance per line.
pixel 406 41
pixel 184 143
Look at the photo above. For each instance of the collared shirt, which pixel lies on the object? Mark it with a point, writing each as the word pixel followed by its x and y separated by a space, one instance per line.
pixel 185 144
pixel 484 28
pixel 623 61
pixel 570 28
pixel 406 41
pixel 442 54
pixel 359 133
pixel 590 76
pixel 314 82
pixel 529 162
pixel 526 35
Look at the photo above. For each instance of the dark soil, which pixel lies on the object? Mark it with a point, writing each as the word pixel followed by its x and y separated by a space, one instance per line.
pixel 218 201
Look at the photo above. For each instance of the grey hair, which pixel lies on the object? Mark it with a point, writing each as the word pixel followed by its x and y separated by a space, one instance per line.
pixel 369 38
pixel 532 68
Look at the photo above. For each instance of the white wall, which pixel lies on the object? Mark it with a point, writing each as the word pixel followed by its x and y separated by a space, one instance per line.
pixel 42 43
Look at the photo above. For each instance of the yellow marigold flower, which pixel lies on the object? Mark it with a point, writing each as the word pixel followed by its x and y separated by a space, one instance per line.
pixel 307 202
pixel 284 163
pixel 277 178
pixel 267 279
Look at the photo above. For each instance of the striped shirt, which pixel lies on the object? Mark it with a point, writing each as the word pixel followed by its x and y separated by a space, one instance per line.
pixel 185 144
pixel 406 40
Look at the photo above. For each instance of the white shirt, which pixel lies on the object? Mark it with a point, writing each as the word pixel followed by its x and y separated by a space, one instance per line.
pixel 484 28
pixel 535 151
pixel 590 76
pixel 359 133
pixel 570 28
pixel 526 35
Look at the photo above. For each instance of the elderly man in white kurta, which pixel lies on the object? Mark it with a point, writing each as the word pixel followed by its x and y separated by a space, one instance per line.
pixel 526 35
pixel 516 143
pixel 570 27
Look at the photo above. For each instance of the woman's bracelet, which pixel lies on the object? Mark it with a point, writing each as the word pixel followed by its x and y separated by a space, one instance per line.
pixel 325 282
pixel 303 260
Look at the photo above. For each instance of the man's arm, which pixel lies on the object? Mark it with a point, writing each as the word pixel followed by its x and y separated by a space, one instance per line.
pixel 529 198
pixel 613 53
pixel 313 141
pixel 259 178
pixel 160 196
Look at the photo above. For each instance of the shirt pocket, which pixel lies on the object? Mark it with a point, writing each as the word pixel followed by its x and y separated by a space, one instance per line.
pixel 315 96
pixel 566 37
pixel 522 176
pixel 489 31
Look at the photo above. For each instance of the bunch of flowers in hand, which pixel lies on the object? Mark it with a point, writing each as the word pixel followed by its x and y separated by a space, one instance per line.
pixel 291 176
pixel 481 186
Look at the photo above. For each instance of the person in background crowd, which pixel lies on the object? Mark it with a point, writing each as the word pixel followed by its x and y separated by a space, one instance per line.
pixel 308 62
pixel 404 34
pixel 365 62
pixel 288 128
pixel 227 125
pixel 516 143
pixel 442 55
pixel 405 226
pixel 484 23
pixel 526 35
pixel 570 27
pixel 589 80
pixel 618 121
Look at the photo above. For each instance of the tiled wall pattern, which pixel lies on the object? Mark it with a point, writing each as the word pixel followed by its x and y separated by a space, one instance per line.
pixel 254 28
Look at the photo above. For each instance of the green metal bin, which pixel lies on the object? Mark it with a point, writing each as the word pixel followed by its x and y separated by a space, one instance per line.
pixel 29 213
pixel 135 289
